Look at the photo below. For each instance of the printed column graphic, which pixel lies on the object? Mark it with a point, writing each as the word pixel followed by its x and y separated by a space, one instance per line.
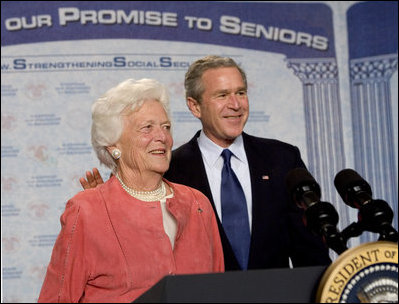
pixel 373 59
pixel 323 121
pixel 373 127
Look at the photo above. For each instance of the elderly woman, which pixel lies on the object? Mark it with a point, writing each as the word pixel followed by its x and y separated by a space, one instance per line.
pixel 119 239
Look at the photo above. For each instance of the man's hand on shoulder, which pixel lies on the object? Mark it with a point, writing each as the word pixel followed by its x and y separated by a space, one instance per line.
pixel 92 179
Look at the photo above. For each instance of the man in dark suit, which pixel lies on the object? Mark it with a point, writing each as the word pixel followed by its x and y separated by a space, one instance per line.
pixel 216 93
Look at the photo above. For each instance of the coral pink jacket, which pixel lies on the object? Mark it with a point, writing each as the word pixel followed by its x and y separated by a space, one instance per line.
pixel 113 248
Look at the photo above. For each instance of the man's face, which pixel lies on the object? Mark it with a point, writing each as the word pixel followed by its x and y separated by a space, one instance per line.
pixel 224 108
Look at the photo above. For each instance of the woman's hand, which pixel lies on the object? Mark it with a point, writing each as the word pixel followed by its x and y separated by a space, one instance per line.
pixel 93 179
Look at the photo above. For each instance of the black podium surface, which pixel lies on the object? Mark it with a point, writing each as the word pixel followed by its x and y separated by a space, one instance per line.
pixel 298 285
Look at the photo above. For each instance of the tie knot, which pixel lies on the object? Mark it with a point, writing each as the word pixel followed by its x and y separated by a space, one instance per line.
pixel 227 155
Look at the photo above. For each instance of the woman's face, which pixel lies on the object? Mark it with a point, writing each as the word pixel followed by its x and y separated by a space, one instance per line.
pixel 146 140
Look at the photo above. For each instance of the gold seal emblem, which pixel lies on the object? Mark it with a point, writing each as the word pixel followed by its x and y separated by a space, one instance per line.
pixel 365 274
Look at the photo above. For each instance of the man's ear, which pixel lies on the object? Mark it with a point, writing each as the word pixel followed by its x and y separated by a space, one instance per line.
pixel 194 107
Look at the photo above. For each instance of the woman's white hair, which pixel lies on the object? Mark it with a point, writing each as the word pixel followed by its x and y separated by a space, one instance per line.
pixel 107 121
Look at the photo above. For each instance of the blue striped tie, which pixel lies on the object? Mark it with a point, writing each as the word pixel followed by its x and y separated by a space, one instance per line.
pixel 234 212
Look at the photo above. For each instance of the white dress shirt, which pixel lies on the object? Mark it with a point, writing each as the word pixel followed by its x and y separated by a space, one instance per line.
pixel 169 222
pixel 213 161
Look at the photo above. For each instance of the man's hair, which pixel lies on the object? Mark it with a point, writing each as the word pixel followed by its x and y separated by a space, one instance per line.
pixel 193 79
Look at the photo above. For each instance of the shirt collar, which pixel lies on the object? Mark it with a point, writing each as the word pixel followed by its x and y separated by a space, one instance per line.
pixel 211 151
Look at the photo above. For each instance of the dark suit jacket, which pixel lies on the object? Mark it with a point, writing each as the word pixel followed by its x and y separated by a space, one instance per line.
pixel 278 231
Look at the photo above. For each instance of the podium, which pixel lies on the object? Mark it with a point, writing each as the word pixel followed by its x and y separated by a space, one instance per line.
pixel 297 285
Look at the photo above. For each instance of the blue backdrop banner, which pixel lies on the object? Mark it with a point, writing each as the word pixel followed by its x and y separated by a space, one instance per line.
pixel 321 76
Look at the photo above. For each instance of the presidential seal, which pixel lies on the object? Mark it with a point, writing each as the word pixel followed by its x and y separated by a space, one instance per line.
pixel 365 274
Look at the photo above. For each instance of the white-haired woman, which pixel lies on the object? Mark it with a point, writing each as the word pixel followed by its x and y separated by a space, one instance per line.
pixel 120 238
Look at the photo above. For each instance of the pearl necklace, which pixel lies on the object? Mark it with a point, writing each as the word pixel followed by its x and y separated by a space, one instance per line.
pixel 146 196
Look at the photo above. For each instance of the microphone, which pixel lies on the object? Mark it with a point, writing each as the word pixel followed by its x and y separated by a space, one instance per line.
pixel 374 215
pixel 353 189
pixel 303 187
pixel 320 217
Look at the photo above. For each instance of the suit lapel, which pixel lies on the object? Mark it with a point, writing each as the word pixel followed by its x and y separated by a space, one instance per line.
pixel 261 187
pixel 196 169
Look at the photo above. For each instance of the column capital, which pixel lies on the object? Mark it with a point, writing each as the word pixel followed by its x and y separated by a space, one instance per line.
pixel 314 70
pixel 373 68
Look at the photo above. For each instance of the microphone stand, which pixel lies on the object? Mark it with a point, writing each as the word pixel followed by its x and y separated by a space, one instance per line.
pixel 374 216
pixel 322 219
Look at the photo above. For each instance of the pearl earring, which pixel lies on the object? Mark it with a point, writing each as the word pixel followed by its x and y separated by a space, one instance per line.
pixel 116 153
